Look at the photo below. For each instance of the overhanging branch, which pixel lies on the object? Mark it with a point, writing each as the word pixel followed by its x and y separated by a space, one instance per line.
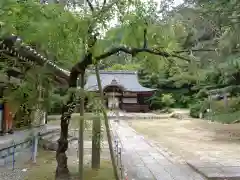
pixel 135 51
pixel 145 38
pixel 203 50
pixel 104 3
pixel 90 5
pixel 195 50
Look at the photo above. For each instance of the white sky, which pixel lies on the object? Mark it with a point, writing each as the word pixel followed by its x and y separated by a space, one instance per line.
pixel 114 21
pixel 175 3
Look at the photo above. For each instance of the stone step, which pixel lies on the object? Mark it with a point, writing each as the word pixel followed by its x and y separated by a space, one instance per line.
pixel 50 136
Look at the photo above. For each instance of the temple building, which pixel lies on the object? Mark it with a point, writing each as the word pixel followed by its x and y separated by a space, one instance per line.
pixel 122 90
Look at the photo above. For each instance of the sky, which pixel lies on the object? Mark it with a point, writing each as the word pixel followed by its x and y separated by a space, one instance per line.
pixel 114 21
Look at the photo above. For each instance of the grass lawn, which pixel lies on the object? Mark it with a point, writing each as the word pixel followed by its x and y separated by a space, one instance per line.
pixel 226 118
pixel 46 166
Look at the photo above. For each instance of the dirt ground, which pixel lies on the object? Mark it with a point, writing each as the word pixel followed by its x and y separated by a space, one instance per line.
pixel 193 139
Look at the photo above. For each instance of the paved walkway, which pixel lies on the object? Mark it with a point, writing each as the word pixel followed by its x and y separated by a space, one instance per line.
pixel 142 161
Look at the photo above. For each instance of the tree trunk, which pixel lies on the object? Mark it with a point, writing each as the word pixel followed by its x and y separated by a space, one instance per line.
pixel 62 171
pixel 81 130
pixel 110 144
pixel 96 143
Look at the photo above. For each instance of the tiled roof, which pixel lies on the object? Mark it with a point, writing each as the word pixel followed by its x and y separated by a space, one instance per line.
pixel 25 54
pixel 127 79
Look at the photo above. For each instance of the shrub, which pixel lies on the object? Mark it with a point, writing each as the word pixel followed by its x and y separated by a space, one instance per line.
pixel 199 107
pixel 167 100
pixel 195 110
pixel 233 105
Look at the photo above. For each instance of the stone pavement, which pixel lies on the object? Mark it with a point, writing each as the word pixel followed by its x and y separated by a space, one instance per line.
pixel 142 161
pixel 217 171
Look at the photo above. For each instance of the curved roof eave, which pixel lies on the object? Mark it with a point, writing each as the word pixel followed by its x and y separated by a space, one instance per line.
pixel 127 79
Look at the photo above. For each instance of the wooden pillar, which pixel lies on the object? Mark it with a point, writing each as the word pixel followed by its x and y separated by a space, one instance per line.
pixel 8 119
pixel 1 112
pixel 96 142
pixel 7 114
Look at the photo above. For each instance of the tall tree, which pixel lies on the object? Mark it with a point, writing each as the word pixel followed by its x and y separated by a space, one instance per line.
pixel 65 34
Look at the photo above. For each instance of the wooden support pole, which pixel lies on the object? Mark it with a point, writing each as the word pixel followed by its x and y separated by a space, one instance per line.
pixel 81 131
pixel 96 142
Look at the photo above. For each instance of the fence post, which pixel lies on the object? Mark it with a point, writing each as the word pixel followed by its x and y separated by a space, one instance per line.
pixel 117 152
pixel 35 147
pixel 13 158
pixel 120 160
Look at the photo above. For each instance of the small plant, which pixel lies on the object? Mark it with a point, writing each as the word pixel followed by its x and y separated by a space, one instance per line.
pixel 167 100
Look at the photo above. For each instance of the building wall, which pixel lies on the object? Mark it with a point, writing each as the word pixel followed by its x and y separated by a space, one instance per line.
pixel 130 100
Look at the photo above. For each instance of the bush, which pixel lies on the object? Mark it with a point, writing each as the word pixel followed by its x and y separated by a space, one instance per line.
pixel 226 118
pixel 167 100
pixel 195 110
pixel 199 107
pixel 233 105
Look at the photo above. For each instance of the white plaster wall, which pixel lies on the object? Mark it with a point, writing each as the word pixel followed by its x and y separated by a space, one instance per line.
pixel 129 100
pixel 112 101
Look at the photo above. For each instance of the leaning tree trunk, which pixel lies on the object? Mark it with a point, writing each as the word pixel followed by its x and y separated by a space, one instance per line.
pixel 62 171
pixel 81 131
pixel 110 144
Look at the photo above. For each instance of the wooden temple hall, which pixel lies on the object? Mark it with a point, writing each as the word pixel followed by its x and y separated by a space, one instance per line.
pixel 122 90
pixel 20 58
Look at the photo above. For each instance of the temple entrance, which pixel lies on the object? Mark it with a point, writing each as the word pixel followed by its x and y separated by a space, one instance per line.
pixel 113 93
pixel 113 102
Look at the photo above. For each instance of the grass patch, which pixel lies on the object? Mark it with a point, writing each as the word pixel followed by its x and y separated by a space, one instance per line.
pixel 46 166
pixel 226 118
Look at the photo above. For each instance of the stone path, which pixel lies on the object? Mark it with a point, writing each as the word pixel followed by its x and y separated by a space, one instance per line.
pixel 216 171
pixel 142 161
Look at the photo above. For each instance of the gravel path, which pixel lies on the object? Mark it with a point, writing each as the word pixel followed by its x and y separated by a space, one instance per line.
pixel 143 161
pixel 7 172
pixel 16 174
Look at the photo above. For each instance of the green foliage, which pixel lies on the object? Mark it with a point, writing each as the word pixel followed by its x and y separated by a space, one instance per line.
pixel 225 117
pixel 62 35
pixel 27 92
pixel 199 107
pixel 55 31
pixel 130 67
pixel 219 110
pixel 230 105
pixel 196 109
pixel 167 100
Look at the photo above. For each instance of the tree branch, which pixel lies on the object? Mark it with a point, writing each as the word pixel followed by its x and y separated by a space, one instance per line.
pixel 135 51
pixel 104 3
pixel 145 38
pixel 90 5
pixel 202 50
pixel 195 50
